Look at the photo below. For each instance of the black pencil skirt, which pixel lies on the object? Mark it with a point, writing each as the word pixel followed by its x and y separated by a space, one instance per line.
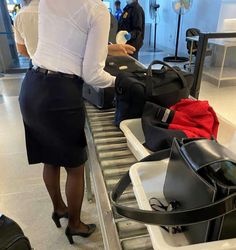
pixel 53 114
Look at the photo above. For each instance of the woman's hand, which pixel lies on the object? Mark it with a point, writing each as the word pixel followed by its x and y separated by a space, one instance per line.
pixel 120 50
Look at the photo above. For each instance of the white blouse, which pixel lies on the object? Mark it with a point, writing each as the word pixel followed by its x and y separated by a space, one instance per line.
pixel 73 39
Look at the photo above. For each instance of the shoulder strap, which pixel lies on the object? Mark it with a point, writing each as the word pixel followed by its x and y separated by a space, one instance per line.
pixel 125 181
pixel 176 218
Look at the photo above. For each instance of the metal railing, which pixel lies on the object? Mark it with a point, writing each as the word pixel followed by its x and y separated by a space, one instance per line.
pixel 201 54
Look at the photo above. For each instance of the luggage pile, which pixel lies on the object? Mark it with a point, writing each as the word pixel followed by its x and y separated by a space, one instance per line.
pixel 199 192
pixel 200 181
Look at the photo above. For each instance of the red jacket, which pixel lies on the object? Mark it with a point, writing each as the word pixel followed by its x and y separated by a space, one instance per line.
pixel 195 119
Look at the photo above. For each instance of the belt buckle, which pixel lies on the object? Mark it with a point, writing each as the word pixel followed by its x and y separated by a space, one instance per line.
pixel 50 72
pixel 36 68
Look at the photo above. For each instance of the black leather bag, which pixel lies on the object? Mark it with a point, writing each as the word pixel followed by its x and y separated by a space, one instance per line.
pixel 201 179
pixel 164 87
pixel 11 235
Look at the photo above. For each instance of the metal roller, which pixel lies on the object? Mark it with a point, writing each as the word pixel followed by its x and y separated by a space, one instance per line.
pixel 118 162
pixel 111 147
pixel 107 128
pixel 139 243
pixel 114 154
pixel 117 172
pixel 98 123
pixel 94 118
pixel 109 140
pixel 128 229
pixel 129 197
pixel 108 134
pixel 110 160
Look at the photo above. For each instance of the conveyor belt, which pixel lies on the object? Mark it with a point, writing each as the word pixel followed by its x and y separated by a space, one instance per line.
pixel 109 160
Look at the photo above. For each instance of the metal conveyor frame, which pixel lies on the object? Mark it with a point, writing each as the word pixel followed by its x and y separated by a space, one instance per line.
pixel 108 227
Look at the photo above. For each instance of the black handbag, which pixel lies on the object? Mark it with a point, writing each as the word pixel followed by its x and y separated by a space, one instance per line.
pixel 164 87
pixel 201 182
pixel 11 235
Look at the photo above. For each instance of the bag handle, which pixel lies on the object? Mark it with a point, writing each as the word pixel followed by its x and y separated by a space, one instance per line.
pixel 180 75
pixel 202 153
pixel 175 218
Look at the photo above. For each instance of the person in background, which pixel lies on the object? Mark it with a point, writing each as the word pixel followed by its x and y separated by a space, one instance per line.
pixel 69 52
pixel 118 11
pixel 133 21
pixel 26 28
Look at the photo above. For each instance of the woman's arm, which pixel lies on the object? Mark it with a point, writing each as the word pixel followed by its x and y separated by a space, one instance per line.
pixel 96 51
pixel 20 43
pixel 22 50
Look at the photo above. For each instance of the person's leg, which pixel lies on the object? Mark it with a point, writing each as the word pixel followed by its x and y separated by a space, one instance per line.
pixel 75 195
pixel 51 176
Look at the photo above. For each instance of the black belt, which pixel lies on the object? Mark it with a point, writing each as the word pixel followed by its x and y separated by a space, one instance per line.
pixel 50 72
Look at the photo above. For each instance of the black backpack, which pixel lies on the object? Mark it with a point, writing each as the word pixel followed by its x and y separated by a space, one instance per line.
pixel 12 236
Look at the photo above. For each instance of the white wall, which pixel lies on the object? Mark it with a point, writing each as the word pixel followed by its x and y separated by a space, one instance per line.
pixel 207 15
pixel 228 10
pixel 204 15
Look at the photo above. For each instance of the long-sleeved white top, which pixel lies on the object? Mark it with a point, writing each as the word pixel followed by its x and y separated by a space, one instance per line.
pixel 73 39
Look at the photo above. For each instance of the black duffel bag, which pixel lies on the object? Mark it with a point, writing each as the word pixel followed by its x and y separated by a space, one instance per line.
pixel 164 87
pixel 11 235
pixel 201 183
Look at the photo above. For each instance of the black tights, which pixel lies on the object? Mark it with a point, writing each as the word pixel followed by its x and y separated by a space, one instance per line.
pixel 74 192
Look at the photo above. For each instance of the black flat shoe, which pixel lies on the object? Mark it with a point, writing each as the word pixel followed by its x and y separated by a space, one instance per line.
pixel 70 233
pixel 56 218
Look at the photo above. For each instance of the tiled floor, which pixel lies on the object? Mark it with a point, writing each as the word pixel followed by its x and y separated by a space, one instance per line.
pixel 23 196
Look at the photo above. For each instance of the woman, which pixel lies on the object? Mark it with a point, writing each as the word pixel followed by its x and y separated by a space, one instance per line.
pixel 72 48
